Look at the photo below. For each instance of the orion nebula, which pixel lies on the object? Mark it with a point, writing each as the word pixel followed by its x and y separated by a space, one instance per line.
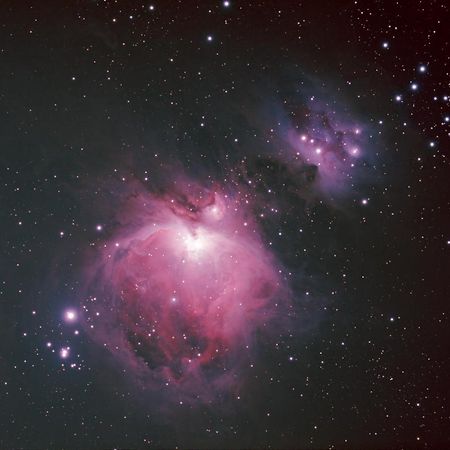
pixel 182 288
pixel 186 283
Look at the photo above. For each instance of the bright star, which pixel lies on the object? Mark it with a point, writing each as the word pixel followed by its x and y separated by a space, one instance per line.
pixel 70 315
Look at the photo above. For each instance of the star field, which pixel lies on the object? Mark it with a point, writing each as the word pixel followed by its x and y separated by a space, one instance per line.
pixel 224 224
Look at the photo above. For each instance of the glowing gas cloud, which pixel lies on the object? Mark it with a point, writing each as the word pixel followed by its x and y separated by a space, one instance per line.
pixel 182 289
pixel 336 148
pixel 186 286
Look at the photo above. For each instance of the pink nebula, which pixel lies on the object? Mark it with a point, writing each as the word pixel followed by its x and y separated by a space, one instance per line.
pixel 182 290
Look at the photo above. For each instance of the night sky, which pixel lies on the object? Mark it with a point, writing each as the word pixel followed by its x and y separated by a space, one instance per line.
pixel 224 224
